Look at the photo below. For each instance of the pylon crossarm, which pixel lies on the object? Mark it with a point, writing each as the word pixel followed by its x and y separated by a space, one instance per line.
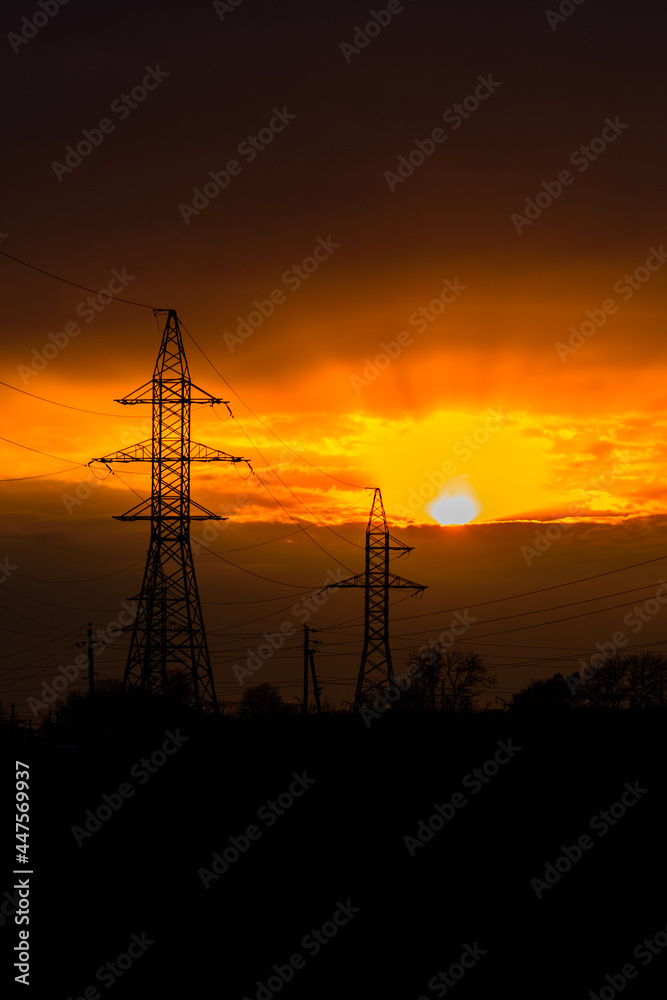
pixel 208 514
pixel 203 453
pixel 138 513
pixel 207 397
pixel 352 581
pixel 142 452
pixel 146 393
pixel 399 545
pixel 138 396
pixel 170 512
pixel 173 398
pixel 360 581
pixel 401 584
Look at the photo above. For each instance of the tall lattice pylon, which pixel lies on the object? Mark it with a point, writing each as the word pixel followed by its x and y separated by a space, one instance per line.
pixel 168 633
pixel 376 667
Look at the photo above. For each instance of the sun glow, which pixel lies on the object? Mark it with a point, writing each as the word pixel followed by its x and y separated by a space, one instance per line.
pixel 454 510
pixel 456 503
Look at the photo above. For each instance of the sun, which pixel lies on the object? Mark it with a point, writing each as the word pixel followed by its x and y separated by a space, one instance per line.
pixel 459 509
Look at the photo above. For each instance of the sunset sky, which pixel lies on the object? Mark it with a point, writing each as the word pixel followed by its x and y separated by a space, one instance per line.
pixel 467 299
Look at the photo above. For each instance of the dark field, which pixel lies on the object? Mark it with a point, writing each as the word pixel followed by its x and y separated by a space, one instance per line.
pixel 342 841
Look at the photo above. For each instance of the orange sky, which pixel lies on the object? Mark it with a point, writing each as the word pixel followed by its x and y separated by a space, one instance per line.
pixel 426 345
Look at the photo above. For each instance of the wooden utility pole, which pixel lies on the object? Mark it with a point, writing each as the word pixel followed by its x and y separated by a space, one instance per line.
pixel 309 661
pixel 92 722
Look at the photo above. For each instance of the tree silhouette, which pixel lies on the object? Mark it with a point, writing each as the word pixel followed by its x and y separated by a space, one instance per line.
pixel 261 700
pixel 547 696
pixel 446 679
pixel 463 678
pixel 625 680
pixel 646 673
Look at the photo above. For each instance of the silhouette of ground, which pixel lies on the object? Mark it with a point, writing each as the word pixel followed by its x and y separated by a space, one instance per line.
pixel 343 839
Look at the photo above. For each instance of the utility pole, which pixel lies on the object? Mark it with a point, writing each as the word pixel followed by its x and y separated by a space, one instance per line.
pixel 91 667
pixel 304 706
pixel 92 721
pixel 376 667
pixel 316 687
pixel 308 661
pixel 168 632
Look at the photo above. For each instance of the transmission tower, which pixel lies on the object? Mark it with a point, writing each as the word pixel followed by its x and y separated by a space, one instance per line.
pixel 376 667
pixel 168 632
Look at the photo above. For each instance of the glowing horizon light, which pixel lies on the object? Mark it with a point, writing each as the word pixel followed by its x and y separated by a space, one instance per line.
pixel 459 509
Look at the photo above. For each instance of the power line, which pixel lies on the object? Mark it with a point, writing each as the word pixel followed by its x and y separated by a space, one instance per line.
pixel 263 600
pixel 49 274
pixel 43 475
pixel 555 607
pixel 52 604
pixel 32 621
pixel 39 645
pixel 578 654
pixel 355 486
pixel 522 628
pixel 253 620
pixel 89 579
pixel 254 545
pixel 126 485
pixel 79 409
pixel 289 514
pixel 529 593
pixel 18 444
pixel 243 569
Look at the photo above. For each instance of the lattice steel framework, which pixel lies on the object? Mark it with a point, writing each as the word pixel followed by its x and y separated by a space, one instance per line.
pixel 376 667
pixel 168 632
